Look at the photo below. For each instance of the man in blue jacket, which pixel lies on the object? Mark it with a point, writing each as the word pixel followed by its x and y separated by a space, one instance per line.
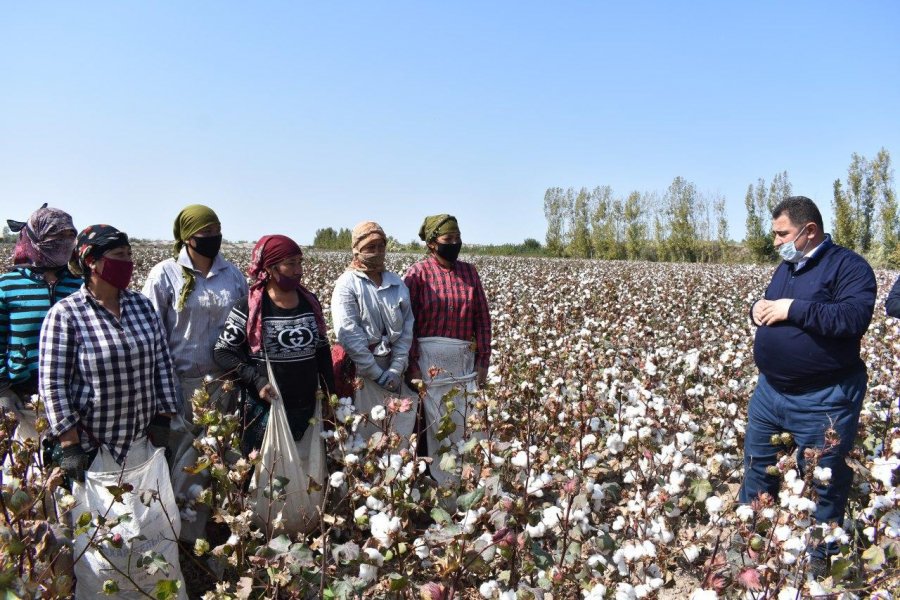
pixel 812 380
pixel 892 304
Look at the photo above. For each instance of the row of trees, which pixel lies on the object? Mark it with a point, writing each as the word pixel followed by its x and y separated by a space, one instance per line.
pixel 685 225
pixel 680 225
pixel 865 209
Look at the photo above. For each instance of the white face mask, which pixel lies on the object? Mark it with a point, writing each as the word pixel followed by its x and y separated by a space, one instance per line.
pixel 789 251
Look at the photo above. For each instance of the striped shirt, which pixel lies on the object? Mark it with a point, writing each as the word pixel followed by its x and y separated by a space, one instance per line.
pixel 25 298
pixel 449 303
pixel 110 376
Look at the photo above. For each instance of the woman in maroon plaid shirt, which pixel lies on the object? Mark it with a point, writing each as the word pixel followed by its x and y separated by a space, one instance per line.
pixel 452 330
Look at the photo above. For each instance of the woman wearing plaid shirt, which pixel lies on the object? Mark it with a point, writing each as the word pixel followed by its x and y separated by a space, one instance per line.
pixel 452 330
pixel 105 370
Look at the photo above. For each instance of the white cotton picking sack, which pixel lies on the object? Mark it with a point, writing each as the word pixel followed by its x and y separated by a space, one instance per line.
pixel 295 507
pixel 145 469
pixel 185 485
pixel 455 364
pixel 371 395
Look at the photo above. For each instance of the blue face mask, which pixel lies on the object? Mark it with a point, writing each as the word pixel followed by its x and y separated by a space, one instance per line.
pixel 789 251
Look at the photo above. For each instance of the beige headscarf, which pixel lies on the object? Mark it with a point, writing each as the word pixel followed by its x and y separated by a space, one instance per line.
pixel 361 235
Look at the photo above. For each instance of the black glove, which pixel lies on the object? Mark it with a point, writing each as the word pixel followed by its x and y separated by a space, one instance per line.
pixel 74 461
pixel 159 431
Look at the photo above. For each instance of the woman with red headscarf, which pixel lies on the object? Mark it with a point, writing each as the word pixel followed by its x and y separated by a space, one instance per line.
pixel 280 322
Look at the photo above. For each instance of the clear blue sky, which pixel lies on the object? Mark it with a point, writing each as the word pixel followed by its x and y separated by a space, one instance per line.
pixel 287 116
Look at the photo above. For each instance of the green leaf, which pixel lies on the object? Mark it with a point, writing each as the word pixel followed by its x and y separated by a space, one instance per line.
pixel 166 589
pixel 542 559
pixel 448 462
pixel 440 515
pixel 466 501
pixel 280 544
pixel 839 568
pixel 84 519
pixel 396 582
pixel 153 562
pixel 874 557
pixel 700 489
pixel 117 492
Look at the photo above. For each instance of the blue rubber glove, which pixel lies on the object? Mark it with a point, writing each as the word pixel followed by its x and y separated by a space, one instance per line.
pixel 389 380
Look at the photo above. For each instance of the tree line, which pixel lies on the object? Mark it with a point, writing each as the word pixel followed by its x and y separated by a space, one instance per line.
pixel 685 225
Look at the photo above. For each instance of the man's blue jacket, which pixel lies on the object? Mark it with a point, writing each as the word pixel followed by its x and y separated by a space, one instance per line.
pixel 818 345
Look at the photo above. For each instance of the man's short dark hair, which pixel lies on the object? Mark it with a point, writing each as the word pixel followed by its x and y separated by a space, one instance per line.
pixel 800 210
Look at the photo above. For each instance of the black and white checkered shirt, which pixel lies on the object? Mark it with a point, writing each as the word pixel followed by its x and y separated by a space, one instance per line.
pixel 113 376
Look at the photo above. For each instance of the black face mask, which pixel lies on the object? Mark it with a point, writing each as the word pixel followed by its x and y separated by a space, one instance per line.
pixel 207 246
pixel 449 252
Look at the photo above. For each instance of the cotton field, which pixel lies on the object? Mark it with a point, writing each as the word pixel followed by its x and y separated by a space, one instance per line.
pixel 608 467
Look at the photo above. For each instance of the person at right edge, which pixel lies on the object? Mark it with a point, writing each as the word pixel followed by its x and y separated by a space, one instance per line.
pixel 812 381
pixel 451 333
pixel 892 303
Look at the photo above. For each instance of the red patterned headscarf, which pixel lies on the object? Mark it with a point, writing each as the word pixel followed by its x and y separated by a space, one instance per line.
pixel 268 251
pixel 33 247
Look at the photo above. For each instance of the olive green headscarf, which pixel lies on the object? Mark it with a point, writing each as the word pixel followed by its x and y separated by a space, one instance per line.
pixel 189 221
pixel 436 226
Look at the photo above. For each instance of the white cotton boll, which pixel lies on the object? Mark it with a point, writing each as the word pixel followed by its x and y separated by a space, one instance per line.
pixel 788 558
pixel 641 590
pixel 788 593
pixel 373 503
pixel 895 445
pixel 368 572
pixel 595 424
pixel 383 527
pixel 508 595
pixel 420 547
pixel 703 594
pixel 536 531
pixel 619 523
pixel 588 440
pixel 377 413
pixel 598 592
pixel 343 413
pixel 360 512
pixel 744 512
pixel 628 435
pixel 550 516
pixel 591 461
pixel 488 589
pixel 691 553
pixel 614 443
pixel 374 556
pixel 625 591
pixel 336 479
pixel 351 459
pixel 520 459
pixel 713 505
pixel 768 513
pixel 883 469
pixel 790 476
pixel 650 368
pixel 782 532
pixel 797 486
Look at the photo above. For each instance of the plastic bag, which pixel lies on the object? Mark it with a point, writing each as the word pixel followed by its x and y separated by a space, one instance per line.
pixel 194 515
pixel 287 488
pixel 145 469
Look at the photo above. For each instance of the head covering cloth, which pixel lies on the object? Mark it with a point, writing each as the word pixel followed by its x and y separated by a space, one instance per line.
pixel 436 226
pixel 189 221
pixel 361 235
pixel 93 242
pixel 33 247
pixel 268 251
